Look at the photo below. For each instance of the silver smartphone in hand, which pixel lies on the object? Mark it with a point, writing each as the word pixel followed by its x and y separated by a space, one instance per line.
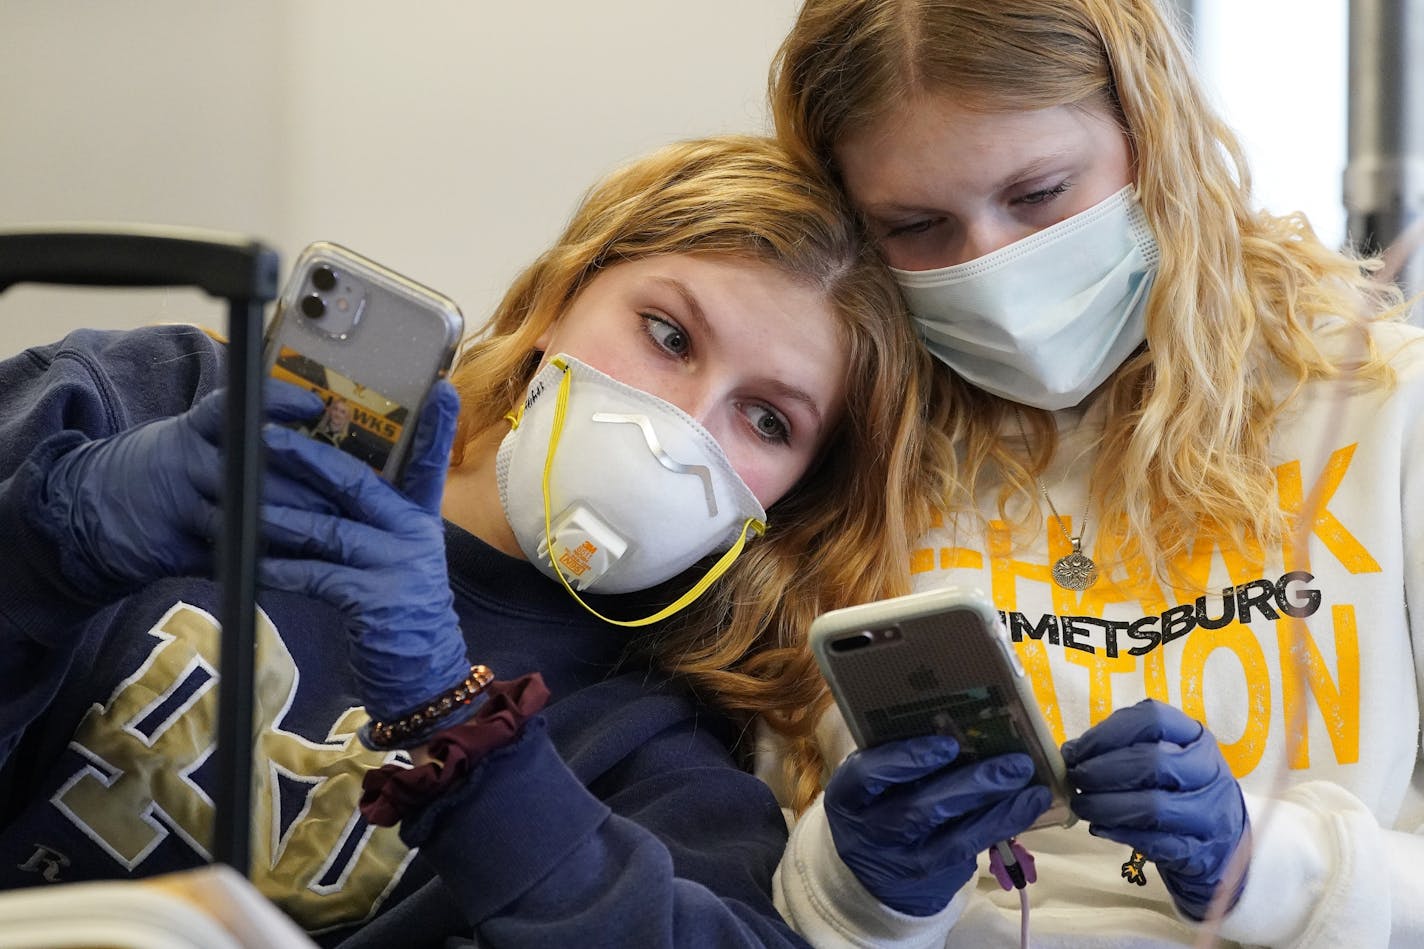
pixel 938 662
pixel 370 342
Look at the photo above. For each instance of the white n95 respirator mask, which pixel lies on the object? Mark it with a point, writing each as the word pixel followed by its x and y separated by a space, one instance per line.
pixel 609 489
pixel 1045 320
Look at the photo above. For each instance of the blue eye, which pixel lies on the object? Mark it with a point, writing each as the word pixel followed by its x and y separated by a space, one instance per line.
pixel 768 424
pixel 666 334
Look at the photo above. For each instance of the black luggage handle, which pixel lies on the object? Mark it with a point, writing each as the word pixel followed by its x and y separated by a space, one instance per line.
pixel 223 265
pixel 244 272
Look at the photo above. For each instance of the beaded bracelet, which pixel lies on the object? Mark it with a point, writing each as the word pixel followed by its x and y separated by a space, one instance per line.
pixel 396 733
pixel 392 793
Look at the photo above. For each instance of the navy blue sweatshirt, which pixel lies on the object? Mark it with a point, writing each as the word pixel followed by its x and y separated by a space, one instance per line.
pixel 619 817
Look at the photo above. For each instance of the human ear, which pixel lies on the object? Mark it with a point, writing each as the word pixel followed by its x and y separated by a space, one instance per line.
pixel 541 345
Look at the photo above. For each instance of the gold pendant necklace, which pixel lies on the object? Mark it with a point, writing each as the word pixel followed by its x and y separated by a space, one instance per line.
pixel 1076 570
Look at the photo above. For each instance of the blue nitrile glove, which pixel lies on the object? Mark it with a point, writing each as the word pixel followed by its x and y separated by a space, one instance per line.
pixel 911 826
pixel 379 560
pixel 144 503
pixel 1152 778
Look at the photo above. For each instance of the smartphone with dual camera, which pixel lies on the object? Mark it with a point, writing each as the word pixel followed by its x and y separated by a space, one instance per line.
pixel 938 662
pixel 370 342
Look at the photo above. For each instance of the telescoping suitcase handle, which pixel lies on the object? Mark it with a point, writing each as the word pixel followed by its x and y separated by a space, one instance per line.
pixel 244 272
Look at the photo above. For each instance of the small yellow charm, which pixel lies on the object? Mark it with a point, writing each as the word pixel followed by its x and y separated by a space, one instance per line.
pixel 1134 871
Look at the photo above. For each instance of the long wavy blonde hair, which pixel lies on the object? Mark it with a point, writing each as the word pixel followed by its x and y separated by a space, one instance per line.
pixel 1239 292
pixel 839 536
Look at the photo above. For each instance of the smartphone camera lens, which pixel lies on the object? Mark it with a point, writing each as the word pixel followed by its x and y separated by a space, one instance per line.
pixel 323 278
pixel 853 641
pixel 313 306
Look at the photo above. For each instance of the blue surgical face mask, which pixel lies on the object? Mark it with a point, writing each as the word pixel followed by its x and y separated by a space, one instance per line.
pixel 1045 320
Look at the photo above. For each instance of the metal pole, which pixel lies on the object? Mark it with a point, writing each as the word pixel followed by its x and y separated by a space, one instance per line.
pixel 237 572
pixel 1384 179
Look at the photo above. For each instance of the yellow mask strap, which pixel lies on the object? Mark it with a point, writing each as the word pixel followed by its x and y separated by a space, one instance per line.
pixel 682 602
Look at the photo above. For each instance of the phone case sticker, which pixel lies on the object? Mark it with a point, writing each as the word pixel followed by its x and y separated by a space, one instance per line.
pixel 359 420
pixel 978 718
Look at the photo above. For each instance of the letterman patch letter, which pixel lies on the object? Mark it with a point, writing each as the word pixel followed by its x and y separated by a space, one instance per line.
pixel 312 853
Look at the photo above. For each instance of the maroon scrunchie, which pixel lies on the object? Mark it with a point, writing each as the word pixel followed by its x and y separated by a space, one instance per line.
pixel 391 792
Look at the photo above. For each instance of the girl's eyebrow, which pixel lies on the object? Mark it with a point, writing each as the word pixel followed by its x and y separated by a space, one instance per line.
pixel 694 308
pixel 1034 167
pixel 787 391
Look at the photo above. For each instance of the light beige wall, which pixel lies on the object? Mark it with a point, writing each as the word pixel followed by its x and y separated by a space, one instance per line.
pixel 160 111
pixel 447 138
pixel 451 138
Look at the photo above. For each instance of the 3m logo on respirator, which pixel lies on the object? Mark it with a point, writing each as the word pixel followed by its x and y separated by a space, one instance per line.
pixel 655 446
pixel 576 559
